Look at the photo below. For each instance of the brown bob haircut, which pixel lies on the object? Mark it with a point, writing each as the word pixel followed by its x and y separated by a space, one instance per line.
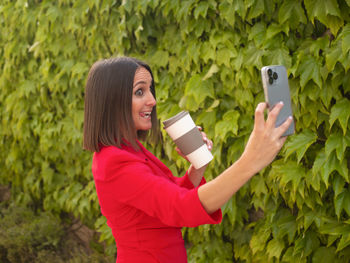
pixel 108 105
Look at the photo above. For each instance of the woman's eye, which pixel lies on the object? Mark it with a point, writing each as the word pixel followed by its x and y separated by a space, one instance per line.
pixel 139 92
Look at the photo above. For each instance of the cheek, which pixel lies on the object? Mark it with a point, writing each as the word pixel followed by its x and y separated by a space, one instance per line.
pixel 134 113
pixel 135 108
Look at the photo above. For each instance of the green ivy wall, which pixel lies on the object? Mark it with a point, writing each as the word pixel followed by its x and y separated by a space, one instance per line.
pixel 206 57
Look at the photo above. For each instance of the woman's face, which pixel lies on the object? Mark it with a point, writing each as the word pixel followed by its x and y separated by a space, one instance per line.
pixel 142 99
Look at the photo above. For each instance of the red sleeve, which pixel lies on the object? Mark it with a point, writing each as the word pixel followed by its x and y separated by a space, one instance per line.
pixel 184 181
pixel 130 181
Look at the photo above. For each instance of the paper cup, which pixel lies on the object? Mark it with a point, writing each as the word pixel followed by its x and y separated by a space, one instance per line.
pixel 188 139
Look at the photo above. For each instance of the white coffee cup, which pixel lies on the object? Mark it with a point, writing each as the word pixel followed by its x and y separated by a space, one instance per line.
pixel 188 139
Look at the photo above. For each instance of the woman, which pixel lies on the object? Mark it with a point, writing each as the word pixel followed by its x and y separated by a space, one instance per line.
pixel 145 205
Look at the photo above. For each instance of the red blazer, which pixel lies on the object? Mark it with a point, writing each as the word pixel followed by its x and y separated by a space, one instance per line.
pixel 145 205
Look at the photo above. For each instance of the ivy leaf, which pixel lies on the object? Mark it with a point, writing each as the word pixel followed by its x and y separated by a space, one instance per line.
pixel 327 12
pixel 345 61
pixel 293 11
pixel 227 13
pixel 224 56
pixel 320 9
pixel 252 57
pixel 201 10
pixel 310 69
pixel 334 23
pixel 300 143
pixel 213 69
pixel 280 56
pixel 273 30
pixel 324 255
pixel 346 39
pixel 208 120
pixel 334 228
pixel 229 123
pixel 332 56
pixel 341 112
pixel 344 241
pixel 326 95
pixel 338 185
pixel 338 203
pixel 336 141
pixel 256 9
pixel 286 225
pixel 127 5
pixel 274 248
pixel 318 163
pixel 207 52
pixel 184 10
pixel 239 7
pixel 342 201
pixel 333 164
pixel 332 239
pixel 199 89
pixel 311 217
pixel 230 209
pixel 34 46
pixel 28 88
pixel 79 69
pixel 238 61
pixel 314 180
pixel 258 240
pixel 257 33
pixel 160 58
pixel 258 185
pixel 305 244
pixel 288 172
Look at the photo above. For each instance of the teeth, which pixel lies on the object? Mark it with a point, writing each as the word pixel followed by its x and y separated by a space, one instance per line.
pixel 146 114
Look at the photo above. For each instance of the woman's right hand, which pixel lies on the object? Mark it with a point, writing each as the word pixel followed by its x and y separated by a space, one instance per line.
pixel 263 145
pixel 265 140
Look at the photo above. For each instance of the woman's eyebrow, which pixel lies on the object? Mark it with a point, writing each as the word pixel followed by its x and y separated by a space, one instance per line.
pixel 140 82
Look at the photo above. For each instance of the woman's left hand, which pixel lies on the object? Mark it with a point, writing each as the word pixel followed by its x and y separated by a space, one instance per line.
pixel 208 142
pixel 196 175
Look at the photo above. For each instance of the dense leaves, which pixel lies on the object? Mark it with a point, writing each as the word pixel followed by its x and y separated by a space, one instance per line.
pixel 206 57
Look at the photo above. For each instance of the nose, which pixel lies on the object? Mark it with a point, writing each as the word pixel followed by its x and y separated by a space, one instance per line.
pixel 151 101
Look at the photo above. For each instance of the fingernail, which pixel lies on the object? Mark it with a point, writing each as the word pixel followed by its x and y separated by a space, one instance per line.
pixel 281 102
pixel 290 117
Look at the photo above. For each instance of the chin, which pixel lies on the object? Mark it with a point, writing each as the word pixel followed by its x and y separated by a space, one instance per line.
pixel 144 128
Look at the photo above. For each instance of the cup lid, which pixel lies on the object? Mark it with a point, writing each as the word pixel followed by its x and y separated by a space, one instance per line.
pixel 174 119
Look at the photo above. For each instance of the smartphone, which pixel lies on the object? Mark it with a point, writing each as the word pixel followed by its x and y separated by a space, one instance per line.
pixel 276 89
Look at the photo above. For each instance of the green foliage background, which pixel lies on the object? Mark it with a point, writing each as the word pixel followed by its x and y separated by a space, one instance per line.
pixel 206 56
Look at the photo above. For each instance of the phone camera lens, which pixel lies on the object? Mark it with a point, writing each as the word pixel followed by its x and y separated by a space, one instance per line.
pixel 269 72
pixel 270 80
pixel 275 75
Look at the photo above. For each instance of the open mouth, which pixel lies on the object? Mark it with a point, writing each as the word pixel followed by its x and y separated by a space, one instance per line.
pixel 146 114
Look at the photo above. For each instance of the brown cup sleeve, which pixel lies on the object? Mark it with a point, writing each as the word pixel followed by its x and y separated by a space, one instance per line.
pixel 190 141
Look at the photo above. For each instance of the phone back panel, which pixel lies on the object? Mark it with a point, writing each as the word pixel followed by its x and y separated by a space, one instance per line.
pixel 277 90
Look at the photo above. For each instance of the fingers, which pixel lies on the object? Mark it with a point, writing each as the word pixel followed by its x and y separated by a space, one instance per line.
pixel 259 115
pixel 208 142
pixel 284 126
pixel 271 119
pixel 180 153
pixel 283 140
